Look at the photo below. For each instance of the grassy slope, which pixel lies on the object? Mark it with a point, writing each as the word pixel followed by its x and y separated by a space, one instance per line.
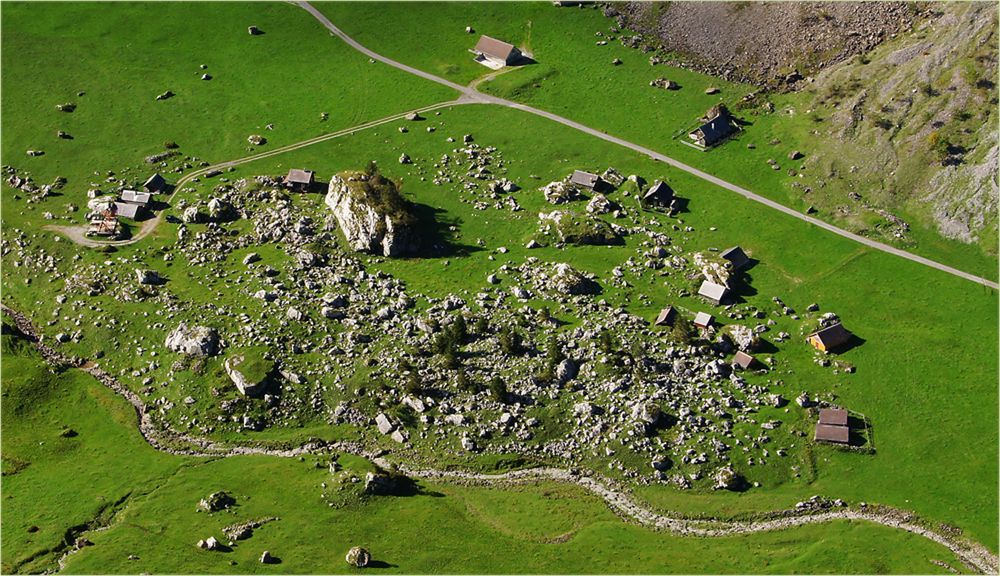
pixel 901 380
pixel 575 78
pixel 903 313
pixel 63 482
pixel 447 529
pixel 124 54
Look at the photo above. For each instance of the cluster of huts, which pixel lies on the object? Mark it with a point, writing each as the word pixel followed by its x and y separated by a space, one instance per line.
pixel 131 204
pixel 659 196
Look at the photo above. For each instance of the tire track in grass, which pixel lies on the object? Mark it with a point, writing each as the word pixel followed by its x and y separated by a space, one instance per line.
pixel 471 94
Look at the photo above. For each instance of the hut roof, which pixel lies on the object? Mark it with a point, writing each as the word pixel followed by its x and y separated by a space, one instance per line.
pixel 127 210
pixel 296 176
pixel 830 433
pixel 135 197
pixel 712 291
pixel 582 178
pixel 154 183
pixel 717 129
pixel 743 360
pixel 702 319
pixel 736 256
pixel 494 48
pixel 659 191
pixel 666 317
pixel 833 416
pixel 832 336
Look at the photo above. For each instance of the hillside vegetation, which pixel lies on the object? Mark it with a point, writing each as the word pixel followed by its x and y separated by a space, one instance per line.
pixel 901 99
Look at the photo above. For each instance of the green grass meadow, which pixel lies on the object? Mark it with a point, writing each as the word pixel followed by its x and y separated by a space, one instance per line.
pixel 926 371
pixel 148 502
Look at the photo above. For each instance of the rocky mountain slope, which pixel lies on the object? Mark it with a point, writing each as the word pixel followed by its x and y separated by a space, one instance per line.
pixel 898 100
pixel 768 43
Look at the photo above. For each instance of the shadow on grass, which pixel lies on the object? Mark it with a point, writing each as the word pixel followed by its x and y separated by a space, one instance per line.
pixel 438 240
pixel 851 344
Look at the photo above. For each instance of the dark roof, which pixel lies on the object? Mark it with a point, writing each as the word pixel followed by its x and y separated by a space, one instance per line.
pixel 833 416
pixel 495 48
pixel 296 176
pixel 716 130
pixel 712 291
pixel 154 183
pixel 736 256
pixel 659 191
pixel 666 317
pixel 743 360
pixel 832 336
pixel 829 433
pixel 584 178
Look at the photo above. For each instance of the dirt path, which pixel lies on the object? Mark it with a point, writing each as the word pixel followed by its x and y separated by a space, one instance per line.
pixel 975 556
pixel 471 94
pixel 78 233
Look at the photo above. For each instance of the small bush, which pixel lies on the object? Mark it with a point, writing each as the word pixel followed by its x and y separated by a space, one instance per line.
pixel 498 389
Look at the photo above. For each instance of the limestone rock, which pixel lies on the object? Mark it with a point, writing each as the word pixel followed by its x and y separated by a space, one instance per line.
pixel 371 214
pixel 358 557
pixel 193 341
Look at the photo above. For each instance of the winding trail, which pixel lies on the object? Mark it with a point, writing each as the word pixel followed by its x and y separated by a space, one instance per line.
pixel 975 556
pixel 471 94
pixel 78 233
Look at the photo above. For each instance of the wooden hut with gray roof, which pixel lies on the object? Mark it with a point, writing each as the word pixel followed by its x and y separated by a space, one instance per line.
pixel 714 293
pixel 495 53
pixel 300 179
pixel 736 256
pixel 719 126
pixel 659 195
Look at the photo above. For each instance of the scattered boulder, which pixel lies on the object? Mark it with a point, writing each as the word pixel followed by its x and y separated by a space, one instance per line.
pixel 726 479
pixel 568 280
pixel 149 277
pixel 256 139
pixel 250 370
pixel 383 423
pixel 358 557
pixel 165 95
pixel 560 192
pixel 254 31
pixel 193 341
pixel 664 84
pixel 216 501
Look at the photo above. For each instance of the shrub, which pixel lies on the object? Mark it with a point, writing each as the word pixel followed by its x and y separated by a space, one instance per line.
pixel 510 341
pixel 498 389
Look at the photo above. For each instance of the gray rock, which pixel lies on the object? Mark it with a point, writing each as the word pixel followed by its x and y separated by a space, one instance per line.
pixel 384 424
pixel 358 557
pixel 193 341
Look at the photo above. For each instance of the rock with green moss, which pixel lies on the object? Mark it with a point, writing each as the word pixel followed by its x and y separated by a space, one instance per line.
pixel 373 215
pixel 581 229
pixel 250 370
